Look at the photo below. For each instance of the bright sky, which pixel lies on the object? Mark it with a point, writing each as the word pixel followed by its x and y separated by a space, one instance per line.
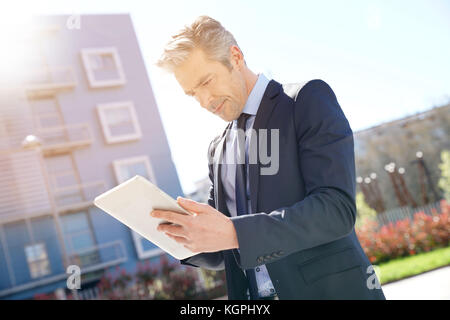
pixel 383 59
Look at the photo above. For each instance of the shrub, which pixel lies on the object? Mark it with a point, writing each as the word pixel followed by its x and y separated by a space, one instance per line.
pixel 406 237
pixel 168 281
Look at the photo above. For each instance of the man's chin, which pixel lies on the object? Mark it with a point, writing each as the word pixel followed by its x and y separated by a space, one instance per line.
pixel 226 118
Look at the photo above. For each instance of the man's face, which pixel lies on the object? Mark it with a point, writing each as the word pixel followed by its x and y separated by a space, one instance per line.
pixel 216 88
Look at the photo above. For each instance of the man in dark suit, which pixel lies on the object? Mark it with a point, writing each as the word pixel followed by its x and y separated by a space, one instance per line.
pixel 282 226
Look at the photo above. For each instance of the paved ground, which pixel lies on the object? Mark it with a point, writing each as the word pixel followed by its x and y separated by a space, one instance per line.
pixel 432 285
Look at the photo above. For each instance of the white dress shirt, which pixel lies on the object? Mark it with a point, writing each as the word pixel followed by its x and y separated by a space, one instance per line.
pixel 228 172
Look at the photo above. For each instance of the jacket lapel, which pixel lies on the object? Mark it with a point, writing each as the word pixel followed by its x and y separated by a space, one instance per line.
pixel 268 103
pixel 217 167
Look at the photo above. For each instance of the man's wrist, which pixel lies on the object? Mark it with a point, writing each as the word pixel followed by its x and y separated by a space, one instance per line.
pixel 234 244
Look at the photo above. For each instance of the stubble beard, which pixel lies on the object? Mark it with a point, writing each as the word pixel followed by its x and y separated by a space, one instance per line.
pixel 232 111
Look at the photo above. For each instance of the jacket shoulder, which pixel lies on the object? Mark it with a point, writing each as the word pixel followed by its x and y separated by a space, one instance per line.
pixel 293 89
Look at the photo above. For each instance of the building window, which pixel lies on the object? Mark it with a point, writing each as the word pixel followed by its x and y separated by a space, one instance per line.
pixel 79 239
pixel 119 121
pixel 77 232
pixel 103 67
pixel 37 259
pixel 125 169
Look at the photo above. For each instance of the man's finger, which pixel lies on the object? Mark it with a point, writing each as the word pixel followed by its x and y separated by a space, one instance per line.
pixel 181 240
pixel 175 230
pixel 169 216
pixel 191 205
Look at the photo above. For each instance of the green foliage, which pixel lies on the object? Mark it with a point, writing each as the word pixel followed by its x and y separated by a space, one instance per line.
pixel 406 237
pixel 365 212
pixel 212 277
pixel 409 266
pixel 444 181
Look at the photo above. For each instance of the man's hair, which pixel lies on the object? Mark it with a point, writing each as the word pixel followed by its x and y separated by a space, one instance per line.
pixel 204 33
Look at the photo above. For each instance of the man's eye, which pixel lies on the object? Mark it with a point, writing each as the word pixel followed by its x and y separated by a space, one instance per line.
pixel 207 82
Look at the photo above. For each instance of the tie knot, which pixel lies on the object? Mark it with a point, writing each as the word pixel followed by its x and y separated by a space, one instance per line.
pixel 242 120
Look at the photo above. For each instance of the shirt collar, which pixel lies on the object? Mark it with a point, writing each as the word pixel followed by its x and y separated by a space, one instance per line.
pixel 256 95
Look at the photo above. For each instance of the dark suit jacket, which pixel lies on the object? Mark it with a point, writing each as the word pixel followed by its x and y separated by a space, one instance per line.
pixel 303 228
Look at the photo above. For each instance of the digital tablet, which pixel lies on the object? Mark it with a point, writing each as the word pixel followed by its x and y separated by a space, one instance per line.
pixel 131 203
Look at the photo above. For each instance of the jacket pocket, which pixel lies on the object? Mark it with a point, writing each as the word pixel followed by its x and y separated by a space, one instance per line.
pixel 320 267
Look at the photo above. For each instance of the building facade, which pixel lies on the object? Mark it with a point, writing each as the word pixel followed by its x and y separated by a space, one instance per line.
pixel 81 120
pixel 400 142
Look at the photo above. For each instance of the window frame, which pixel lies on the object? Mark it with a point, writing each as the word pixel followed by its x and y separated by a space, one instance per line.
pixel 93 83
pixel 38 262
pixel 102 108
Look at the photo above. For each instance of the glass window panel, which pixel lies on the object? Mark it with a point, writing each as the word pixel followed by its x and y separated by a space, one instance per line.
pixel 34 271
pixel 108 62
pixel 131 169
pixel 39 252
pixel 77 232
pixel 74 222
pixel 37 259
pixel 119 115
pixel 95 61
pixel 105 68
pixel 82 241
pixel 35 252
pixel 39 269
pixel 119 121
pixel 29 252
pixel 44 267
pixel 122 129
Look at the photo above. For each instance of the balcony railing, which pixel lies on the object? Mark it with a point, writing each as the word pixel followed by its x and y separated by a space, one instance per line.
pixel 99 257
pixel 77 197
pixel 61 139
pixel 95 258
pixel 50 81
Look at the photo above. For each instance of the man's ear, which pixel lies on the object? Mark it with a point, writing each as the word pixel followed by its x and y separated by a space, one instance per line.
pixel 236 57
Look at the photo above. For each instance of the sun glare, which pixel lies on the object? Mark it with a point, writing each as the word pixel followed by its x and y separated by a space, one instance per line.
pixel 18 37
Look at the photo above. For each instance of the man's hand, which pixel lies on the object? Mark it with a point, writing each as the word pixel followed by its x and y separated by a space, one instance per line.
pixel 207 230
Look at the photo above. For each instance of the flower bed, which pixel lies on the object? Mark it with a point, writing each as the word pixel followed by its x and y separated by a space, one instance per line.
pixel 168 281
pixel 406 237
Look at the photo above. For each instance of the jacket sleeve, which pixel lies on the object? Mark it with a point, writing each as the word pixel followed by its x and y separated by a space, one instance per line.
pixel 208 260
pixel 328 211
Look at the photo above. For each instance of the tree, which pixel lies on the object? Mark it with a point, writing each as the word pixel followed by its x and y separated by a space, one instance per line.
pixel 444 181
